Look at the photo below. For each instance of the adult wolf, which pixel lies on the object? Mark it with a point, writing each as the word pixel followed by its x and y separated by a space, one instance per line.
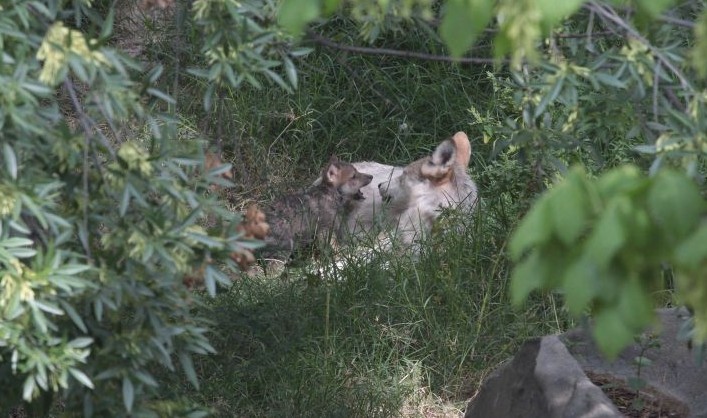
pixel 407 200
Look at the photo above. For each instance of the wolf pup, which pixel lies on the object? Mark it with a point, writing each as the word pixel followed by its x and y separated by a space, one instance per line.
pixel 407 200
pixel 299 220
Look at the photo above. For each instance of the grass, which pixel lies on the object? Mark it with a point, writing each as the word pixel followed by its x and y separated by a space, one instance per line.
pixel 390 336
pixel 393 335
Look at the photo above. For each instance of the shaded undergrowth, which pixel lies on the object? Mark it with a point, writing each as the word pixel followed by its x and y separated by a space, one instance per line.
pixel 368 338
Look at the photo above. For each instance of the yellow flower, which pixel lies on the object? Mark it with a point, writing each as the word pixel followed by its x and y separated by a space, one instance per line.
pixel 135 157
pixel 58 44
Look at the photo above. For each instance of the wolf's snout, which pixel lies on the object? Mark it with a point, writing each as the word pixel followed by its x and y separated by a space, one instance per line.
pixel 383 189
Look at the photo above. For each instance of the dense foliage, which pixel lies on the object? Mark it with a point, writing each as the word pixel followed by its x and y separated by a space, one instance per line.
pixel 106 205
pixel 100 211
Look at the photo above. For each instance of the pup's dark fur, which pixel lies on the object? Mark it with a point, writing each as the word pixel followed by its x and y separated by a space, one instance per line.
pixel 299 220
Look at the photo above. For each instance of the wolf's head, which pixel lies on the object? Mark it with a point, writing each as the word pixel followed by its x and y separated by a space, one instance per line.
pixel 345 178
pixel 431 183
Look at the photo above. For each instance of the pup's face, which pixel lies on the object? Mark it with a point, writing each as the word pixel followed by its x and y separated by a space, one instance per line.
pixel 344 176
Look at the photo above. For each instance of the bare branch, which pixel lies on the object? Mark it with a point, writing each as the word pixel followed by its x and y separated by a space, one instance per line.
pixel 68 85
pixel 84 119
pixel 321 40
pixel 677 22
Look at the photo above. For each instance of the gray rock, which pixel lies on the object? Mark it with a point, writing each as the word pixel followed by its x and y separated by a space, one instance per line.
pixel 512 390
pixel 566 388
pixel 542 381
pixel 547 378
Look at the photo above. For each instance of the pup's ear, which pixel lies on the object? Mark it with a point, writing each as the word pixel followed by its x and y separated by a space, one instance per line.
pixel 440 164
pixel 463 146
pixel 332 173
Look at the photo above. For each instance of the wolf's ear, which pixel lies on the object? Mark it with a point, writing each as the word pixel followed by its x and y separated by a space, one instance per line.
pixel 463 146
pixel 440 164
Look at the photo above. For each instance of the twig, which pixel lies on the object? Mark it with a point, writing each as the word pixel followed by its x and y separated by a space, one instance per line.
pixel 590 29
pixel 609 14
pixel 588 35
pixel 677 22
pixel 109 120
pixel 85 120
pixel 656 80
pixel 399 53
pixel 82 119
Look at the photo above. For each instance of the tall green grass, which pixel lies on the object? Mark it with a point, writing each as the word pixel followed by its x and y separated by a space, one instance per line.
pixel 376 337
pixel 385 335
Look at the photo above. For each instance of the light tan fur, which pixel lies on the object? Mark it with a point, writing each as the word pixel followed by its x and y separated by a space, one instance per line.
pixel 410 198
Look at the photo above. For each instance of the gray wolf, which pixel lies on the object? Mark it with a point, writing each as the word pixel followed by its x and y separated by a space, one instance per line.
pixel 406 200
pixel 299 220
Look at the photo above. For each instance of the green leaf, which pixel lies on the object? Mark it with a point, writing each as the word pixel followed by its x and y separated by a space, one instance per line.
pixel 39 319
pixel 278 80
pixel 146 378
pixel 646 149
pixel 635 305
pixel 124 201
pixel 209 96
pixel 161 95
pixel 462 22
pixel 81 342
pixel 527 277
pixel 610 80
pixel 10 160
pixel 553 11
pixel 71 312
pixel 16 242
pixel 28 388
pixel 580 285
pixel 37 212
pixel 699 50
pixel 692 253
pixel 188 366
pixel 291 72
pixel 71 269
pixel 81 377
pixel 675 205
pixel 330 6
pixel 301 52
pixel 608 235
pixel 23 252
pixel 534 229
pixel 610 333
pixel 128 394
pixel 294 15
pixel 47 307
pixel 642 361
pixel 653 8
pixel 550 96
pixel 624 180
pixel 568 207
pixel 107 28
pixel 207 240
